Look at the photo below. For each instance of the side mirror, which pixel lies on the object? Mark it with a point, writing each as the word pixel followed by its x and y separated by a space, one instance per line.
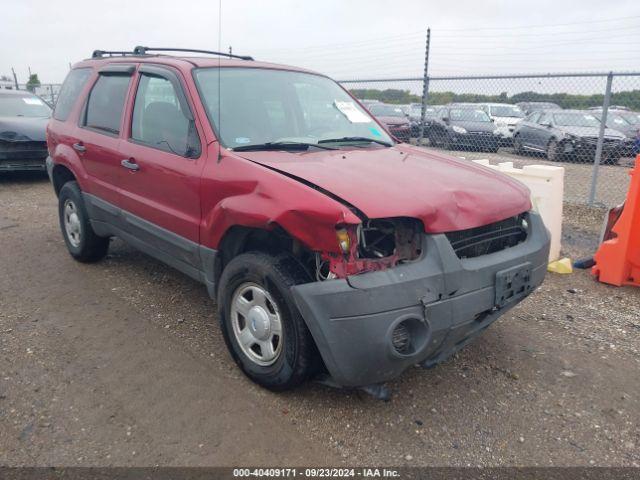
pixel 445 119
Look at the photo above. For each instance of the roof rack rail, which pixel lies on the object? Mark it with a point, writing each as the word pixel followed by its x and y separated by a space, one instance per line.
pixel 110 53
pixel 139 50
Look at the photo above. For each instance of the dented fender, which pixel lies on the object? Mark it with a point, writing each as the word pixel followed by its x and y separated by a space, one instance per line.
pixel 238 192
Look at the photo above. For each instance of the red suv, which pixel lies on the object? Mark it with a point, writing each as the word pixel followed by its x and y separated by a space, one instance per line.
pixel 330 247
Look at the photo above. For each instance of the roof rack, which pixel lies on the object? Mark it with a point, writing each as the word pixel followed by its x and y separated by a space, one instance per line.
pixel 110 53
pixel 143 50
pixel 139 50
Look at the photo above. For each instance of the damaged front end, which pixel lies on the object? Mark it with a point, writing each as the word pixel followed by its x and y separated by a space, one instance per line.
pixel 375 244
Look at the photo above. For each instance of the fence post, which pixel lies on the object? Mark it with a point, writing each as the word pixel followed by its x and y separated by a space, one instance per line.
pixel 425 87
pixel 15 78
pixel 603 124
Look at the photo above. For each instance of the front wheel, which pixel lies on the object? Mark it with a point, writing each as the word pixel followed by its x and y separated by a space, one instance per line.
pixel 262 327
pixel 82 242
pixel 517 145
pixel 553 152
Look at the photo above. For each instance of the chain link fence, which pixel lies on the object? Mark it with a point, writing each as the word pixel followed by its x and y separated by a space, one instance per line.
pixel 588 123
pixel 554 119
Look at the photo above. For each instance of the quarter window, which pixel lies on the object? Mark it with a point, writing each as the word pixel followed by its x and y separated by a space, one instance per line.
pixel 106 103
pixel 71 88
pixel 159 121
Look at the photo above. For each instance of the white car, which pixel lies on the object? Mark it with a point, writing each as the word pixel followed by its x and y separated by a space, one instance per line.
pixel 505 117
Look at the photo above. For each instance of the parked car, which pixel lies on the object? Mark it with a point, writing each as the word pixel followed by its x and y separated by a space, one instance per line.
pixel 366 102
pixel 328 246
pixel 616 121
pixel 23 119
pixel 463 126
pixel 567 133
pixel 633 118
pixel 393 118
pixel 612 107
pixel 529 107
pixel 415 116
pixel 505 117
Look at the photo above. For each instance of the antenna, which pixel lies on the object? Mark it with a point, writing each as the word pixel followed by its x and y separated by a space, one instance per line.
pixel 219 80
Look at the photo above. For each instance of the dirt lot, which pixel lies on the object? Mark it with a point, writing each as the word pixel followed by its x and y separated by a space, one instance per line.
pixel 121 363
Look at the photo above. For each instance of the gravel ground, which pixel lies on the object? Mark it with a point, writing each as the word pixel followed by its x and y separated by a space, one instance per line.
pixel 121 363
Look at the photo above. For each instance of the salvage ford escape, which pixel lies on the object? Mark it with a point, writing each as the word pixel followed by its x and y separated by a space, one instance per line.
pixel 331 248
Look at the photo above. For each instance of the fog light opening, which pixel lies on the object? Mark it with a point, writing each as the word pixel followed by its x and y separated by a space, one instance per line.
pixel 410 335
pixel 401 339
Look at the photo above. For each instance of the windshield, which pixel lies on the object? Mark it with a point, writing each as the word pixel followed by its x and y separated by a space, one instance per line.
pixel 575 120
pixel 506 111
pixel 16 105
pixel 615 121
pixel 631 117
pixel 253 106
pixel 468 115
pixel 382 110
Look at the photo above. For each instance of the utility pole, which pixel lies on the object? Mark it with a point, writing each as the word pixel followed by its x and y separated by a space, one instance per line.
pixel 15 78
pixel 425 87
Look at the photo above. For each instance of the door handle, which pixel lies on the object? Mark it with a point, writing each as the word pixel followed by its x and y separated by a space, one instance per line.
pixel 130 164
pixel 79 147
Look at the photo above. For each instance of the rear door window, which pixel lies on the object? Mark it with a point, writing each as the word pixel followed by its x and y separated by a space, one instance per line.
pixel 106 103
pixel 71 88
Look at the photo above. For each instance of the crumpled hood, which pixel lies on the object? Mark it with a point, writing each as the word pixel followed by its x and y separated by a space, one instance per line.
pixel 446 193
pixel 473 126
pixel 394 120
pixel 590 132
pixel 507 120
pixel 31 127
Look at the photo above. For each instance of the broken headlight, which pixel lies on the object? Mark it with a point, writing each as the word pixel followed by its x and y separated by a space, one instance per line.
pixel 386 237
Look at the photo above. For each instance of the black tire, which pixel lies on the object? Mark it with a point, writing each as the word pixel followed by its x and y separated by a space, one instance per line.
pixel 298 358
pixel 553 154
pixel 517 145
pixel 432 137
pixel 87 246
pixel 447 144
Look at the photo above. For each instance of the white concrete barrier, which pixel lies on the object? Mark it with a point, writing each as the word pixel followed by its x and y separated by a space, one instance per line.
pixel 546 183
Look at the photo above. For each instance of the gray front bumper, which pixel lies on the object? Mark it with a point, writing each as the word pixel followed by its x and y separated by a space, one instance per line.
pixel 352 319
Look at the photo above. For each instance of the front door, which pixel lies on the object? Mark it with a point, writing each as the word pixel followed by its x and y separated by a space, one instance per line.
pixel 162 161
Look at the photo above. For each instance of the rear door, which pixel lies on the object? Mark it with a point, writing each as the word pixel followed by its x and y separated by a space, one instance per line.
pixel 98 135
pixel 161 162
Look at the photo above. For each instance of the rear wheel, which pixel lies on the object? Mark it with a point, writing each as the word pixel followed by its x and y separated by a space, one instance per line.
pixel 263 329
pixel 81 240
pixel 553 152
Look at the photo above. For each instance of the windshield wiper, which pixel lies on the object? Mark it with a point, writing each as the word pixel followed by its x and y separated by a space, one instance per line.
pixel 280 146
pixel 355 139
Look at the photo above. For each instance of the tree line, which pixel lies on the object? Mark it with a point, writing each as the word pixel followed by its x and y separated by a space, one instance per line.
pixel 630 99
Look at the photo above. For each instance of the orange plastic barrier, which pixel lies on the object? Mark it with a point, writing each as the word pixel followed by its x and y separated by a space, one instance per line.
pixel 618 259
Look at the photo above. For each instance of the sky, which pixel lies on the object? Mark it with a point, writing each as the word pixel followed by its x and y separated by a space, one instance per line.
pixel 352 39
